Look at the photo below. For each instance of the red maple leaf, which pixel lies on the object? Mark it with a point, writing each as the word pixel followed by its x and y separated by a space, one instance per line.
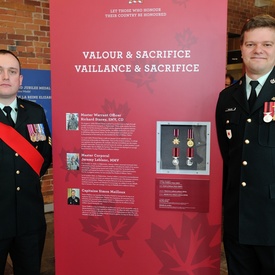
pixel 111 107
pixel 109 229
pixel 192 252
pixel 186 39
pixel 139 77
pixel 181 2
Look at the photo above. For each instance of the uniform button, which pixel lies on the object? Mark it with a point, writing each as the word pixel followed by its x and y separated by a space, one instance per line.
pixel 18 188
pixel 227 122
pixel 247 141
pixel 16 154
pixel 243 184
pixel 17 172
pixel 244 163
pixel 249 120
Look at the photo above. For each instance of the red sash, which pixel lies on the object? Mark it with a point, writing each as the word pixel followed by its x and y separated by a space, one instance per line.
pixel 20 145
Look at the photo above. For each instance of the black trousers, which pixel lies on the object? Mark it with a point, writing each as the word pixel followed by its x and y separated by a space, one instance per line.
pixel 25 252
pixel 249 259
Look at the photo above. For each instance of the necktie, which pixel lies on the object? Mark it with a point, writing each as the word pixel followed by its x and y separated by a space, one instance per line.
pixel 253 96
pixel 7 110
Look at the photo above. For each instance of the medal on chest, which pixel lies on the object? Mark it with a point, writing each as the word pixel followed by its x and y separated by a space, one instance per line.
pixel 269 112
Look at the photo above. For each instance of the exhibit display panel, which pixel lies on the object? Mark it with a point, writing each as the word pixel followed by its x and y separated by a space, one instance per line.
pixel 137 169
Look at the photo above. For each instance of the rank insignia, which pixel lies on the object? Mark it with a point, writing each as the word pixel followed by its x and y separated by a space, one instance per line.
pixel 50 140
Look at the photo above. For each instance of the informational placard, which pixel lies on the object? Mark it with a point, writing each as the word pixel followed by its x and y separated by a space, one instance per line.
pixel 182 195
pixel 137 169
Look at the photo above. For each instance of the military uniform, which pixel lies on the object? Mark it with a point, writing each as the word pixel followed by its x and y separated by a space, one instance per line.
pixel 22 206
pixel 74 200
pixel 247 145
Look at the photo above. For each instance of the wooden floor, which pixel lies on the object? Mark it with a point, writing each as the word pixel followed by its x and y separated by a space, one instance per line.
pixel 48 255
pixel 223 266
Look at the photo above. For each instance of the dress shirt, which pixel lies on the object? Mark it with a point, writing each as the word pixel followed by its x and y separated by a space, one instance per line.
pixel 13 106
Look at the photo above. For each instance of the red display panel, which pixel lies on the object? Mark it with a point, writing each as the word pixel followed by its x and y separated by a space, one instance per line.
pixel 118 69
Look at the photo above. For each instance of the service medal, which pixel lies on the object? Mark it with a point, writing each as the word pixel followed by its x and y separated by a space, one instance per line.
pixel 33 138
pixel 190 143
pixel 176 153
pixel 190 138
pixel 189 161
pixel 190 156
pixel 269 112
pixel 176 140
pixel 267 117
pixel 36 132
pixel 175 161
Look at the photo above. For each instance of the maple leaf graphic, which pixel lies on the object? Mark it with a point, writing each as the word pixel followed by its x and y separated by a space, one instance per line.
pixel 181 2
pixel 142 78
pixel 189 254
pixel 186 39
pixel 110 107
pixel 109 229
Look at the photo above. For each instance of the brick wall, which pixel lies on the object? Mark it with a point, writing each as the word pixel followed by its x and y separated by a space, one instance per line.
pixel 24 29
pixel 239 11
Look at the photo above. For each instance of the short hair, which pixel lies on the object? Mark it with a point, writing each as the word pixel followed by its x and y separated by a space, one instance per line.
pixel 258 21
pixel 3 51
pixel 227 75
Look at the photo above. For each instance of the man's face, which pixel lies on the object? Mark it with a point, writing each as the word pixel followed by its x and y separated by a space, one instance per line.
pixel 227 82
pixel 258 51
pixel 10 78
